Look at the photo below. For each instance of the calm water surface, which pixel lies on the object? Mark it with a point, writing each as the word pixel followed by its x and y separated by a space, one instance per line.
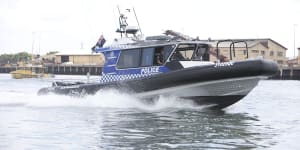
pixel 268 118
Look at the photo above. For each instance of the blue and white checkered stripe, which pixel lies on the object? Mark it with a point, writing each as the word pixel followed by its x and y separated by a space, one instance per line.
pixel 113 78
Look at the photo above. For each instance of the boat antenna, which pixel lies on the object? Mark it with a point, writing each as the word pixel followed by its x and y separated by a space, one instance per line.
pixel 137 20
pixel 120 20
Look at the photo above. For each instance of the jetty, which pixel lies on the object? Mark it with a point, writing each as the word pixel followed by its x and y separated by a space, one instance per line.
pixel 63 69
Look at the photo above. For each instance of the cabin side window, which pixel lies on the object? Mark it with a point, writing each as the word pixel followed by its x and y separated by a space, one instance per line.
pixel 161 54
pixel 155 56
pixel 147 56
pixel 129 59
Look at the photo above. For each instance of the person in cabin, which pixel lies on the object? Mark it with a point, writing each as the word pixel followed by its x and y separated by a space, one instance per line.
pixel 101 41
pixel 159 57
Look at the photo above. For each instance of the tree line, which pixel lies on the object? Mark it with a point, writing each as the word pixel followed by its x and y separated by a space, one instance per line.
pixel 14 58
pixel 21 57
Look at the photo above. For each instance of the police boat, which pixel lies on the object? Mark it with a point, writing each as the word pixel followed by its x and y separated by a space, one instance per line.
pixel 172 65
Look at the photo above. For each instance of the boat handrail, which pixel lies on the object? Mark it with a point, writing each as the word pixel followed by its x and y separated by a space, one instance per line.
pixel 240 41
pixel 232 47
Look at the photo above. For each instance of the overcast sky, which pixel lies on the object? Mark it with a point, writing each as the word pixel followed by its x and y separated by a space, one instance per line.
pixel 69 25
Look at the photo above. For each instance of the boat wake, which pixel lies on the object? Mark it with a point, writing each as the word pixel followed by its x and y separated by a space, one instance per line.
pixel 109 98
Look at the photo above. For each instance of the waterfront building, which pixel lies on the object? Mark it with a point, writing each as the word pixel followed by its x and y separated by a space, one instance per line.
pixel 265 48
pixel 80 59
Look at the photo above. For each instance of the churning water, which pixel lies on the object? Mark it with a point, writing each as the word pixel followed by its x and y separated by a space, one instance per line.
pixel 268 118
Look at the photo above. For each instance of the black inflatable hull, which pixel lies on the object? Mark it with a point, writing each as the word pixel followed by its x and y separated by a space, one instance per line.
pixel 212 81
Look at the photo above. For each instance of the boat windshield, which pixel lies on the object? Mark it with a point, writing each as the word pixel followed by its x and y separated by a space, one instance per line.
pixel 188 52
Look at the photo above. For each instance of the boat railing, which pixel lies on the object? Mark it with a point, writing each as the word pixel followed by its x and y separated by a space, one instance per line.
pixel 231 47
